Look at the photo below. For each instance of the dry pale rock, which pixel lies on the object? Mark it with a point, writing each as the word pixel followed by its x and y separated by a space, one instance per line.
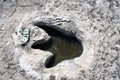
pixel 95 22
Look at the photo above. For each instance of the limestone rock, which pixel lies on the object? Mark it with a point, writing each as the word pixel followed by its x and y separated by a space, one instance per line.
pixel 95 22
pixel 32 34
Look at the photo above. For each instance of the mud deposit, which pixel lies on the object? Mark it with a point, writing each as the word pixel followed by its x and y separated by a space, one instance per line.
pixel 62 46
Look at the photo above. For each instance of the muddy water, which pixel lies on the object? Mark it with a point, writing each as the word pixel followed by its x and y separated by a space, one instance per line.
pixel 62 46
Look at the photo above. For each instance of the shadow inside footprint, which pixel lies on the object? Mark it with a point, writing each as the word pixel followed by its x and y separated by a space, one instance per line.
pixel 61 45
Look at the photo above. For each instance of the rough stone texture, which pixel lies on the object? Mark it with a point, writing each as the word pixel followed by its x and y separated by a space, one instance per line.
pixel 30 60
pixel 95 22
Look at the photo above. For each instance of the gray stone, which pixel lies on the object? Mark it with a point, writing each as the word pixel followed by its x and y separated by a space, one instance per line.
pixel 95 22
pixel 25 35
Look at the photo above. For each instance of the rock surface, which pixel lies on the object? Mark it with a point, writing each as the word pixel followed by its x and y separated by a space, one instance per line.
pixel 95 22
